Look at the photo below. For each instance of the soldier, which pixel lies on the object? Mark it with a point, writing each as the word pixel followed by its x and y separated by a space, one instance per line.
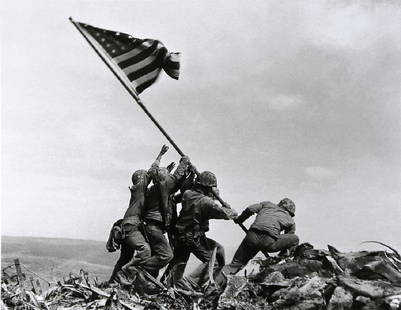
pixel 264 234
pixel 192 224
pixel 133 240
pixel 158 214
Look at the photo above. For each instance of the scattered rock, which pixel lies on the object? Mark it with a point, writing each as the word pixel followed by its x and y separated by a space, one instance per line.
pixel 340 300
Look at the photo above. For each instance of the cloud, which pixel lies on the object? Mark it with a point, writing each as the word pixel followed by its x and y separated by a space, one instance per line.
pixel 356 26
pixel 284 102
pixel 318 172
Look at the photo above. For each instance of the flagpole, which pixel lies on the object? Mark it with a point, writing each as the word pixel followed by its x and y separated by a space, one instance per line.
pixel 133 93
pixel 128 88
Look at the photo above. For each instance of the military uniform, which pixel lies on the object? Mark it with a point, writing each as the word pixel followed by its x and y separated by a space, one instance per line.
pixel 264 233
pixel 158 213
pixel 193 222
pixel 134 247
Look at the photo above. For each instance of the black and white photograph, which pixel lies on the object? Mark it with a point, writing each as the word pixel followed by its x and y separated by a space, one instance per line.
pixel 203 155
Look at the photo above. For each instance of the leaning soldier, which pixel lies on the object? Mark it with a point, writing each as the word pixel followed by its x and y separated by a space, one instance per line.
pixel 134 247
pixel 264 234
pixel 193 222
pixel 157 215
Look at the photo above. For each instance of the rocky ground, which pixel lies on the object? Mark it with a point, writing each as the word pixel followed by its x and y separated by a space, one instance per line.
pixel 307 279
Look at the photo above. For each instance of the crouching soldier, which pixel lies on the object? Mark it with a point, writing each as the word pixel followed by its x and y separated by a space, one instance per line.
pixel 134 247
pixel 264 234
pixel 193 222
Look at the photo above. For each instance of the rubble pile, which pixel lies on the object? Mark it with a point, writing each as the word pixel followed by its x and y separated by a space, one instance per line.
pixel 78 292
pixel 307 279
pixel 318 279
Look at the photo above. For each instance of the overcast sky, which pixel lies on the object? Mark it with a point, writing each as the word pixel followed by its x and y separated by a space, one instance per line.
pixel 297 99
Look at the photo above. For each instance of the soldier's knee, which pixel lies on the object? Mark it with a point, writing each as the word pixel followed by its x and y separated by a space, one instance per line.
pixel 166 257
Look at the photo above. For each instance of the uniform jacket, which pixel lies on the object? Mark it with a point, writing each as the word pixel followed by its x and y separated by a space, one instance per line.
pixel 135 209
pixel 197 209
pixel 270 218
pixel 158 205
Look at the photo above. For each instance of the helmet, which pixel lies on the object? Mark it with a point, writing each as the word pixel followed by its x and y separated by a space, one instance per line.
pixel 161 174
pixel 287 204
pixel 207 178
pixel 137 176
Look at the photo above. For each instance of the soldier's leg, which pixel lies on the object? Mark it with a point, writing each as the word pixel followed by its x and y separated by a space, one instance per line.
pixel 203 251
pixel 176 267
pixel 125 255
pixel 247 250
pixel 161 250
pixel 283 242
pixel 136 241
pixel 139 250
pixel 220 254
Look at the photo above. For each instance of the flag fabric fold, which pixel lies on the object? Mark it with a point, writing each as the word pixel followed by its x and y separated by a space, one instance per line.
pixel 140 60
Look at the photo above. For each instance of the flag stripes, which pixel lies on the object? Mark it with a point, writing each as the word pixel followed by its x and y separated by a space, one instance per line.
pixel 140 60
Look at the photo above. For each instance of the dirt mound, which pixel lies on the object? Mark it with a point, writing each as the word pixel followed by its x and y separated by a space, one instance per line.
pixel 307 279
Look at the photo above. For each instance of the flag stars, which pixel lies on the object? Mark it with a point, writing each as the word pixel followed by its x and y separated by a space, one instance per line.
pixel 102 39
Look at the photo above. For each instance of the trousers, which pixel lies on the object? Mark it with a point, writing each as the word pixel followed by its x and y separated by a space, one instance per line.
pixel 161 252
pixel 134 249
pixel 202 248
pixel 250 246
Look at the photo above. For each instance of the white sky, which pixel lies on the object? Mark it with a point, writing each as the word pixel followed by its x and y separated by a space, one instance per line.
pixel 295 99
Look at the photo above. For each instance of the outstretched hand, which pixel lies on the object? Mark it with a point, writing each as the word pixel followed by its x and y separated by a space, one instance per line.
pixel 171 166
pixel 164 149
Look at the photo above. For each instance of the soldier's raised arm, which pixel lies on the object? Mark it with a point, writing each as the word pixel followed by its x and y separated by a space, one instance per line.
pixel 155 165
pixel 182 167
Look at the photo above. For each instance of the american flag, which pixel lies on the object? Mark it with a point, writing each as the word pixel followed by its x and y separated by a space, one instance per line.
pixel 140 60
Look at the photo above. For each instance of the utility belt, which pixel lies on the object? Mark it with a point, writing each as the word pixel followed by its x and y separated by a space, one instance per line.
pixel 263 232
pixel 150 222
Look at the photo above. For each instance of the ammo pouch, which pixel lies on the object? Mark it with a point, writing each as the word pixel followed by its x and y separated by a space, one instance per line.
pixel 191 235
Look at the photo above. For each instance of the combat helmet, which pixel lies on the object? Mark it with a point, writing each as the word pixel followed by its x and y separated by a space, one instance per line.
pixel 287 204
pixel 207 178
pixel 137 176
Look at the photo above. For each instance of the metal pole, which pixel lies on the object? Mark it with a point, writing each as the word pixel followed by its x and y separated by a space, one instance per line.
pixel 97 48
